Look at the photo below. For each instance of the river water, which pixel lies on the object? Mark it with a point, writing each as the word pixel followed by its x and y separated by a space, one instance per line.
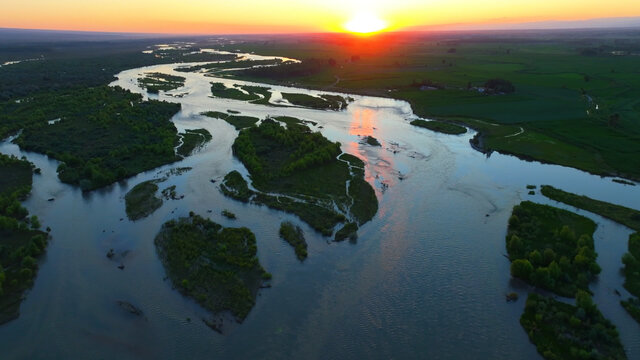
pixel 426 279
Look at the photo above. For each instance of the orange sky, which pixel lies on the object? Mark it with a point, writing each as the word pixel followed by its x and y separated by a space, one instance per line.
pixel 264 16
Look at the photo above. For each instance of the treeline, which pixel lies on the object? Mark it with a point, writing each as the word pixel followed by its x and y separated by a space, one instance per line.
pixel 631 261
pixel 104 134
pixel 216 266
pixel 21 243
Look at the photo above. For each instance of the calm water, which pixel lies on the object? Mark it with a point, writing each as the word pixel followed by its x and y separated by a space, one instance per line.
pixel 426 279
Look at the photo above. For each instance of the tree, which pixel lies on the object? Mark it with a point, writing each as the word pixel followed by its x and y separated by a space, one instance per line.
pixel 521 268
pixel 500 86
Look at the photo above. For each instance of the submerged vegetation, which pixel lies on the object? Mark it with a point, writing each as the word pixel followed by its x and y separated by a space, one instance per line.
pixel 104 134
pixel 295 237
pixel 440 126
pixel 215 266
pixel 193 140
pixel 21 243
pixel 141 201
pixel 551 248
pixel 156 82
pixel 563 331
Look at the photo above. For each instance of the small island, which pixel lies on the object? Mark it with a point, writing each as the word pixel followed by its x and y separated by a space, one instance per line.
pixel 156 82
pixel 238 121
pixel 214 265
pixel 295 237
pixel 22 243
pixel 551 248
pixel 440 126
pixel 561 331
pixel 193 140
pixel 141 201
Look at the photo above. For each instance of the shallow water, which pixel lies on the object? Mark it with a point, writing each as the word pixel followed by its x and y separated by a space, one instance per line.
pixel 426 279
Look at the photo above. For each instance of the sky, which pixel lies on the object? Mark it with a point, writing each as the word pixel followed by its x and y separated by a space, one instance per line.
pixel 287 16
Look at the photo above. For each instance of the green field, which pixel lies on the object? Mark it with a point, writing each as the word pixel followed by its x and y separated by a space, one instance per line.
pixel 141 200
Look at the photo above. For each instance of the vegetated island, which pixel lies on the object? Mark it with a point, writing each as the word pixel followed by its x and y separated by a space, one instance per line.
pixel 104 134
pixel 295 237
pixel 155 82
pixel 193 140
pixel 622 215
pixel 321 102
pixel 215 266
pixel 298 171
pixel 21 243
pixel 238 121
pixel 551 248
pixel 440 126
pixel 141 201
pixel 561 331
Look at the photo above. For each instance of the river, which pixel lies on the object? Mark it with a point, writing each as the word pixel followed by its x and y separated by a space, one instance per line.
pixel 426 279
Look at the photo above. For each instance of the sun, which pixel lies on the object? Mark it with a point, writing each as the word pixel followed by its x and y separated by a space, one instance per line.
pixel 365 23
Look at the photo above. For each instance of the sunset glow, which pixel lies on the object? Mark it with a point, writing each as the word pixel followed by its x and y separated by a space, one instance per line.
pixel 365 23
pixel 289 16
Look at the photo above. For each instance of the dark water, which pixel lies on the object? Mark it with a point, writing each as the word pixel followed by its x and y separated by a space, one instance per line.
pixel 426 279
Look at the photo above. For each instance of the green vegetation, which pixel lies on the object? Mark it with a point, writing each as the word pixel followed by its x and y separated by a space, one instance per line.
pixel 105 134
pixel 212 68
pixel 295 237
pixel 631 261
pixel 558 104
pixel 298 171
pixel 551 248
pixel 620 214
pixel 370 140
pixel 234 186
pixel 440 126
pixel 193 140
pixel 21 243
pixel 215 266
pixel 141 200
pixel 228 214
pixel 322 102
pixel 349 230
pixel 239 122
pixel 561 331
pixel 222 91
pixel 155 82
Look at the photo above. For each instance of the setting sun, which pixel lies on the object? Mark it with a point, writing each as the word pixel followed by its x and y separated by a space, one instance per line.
pixel 365 23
